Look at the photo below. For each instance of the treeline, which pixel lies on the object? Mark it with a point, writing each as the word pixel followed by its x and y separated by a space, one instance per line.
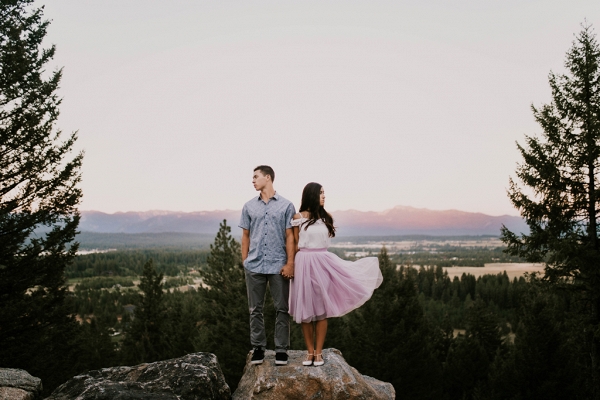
pixel 131 262
pixel 101 300
pixel 443 300
pixel 417 238
pixel 446 300
pixel 173 262
pixel 103 283
pixel 149 240
pixel 450 256
pixel 404 335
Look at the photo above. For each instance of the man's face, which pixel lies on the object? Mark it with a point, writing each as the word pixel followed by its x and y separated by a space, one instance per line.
pixel 259 180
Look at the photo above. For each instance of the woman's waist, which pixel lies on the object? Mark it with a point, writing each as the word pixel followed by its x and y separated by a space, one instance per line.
pixel 313 249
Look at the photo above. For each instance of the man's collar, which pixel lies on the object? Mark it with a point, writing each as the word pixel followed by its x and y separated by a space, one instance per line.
pixel 275 196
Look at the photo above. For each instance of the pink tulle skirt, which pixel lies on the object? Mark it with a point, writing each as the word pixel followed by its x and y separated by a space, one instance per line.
pixel 326 286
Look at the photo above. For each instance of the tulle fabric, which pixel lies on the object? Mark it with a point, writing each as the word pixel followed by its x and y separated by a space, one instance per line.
pixel 326 286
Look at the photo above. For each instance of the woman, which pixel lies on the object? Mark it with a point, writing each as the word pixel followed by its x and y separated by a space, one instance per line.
pixel 324 285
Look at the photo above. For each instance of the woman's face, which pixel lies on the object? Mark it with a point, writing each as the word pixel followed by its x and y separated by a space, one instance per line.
pixel 322 197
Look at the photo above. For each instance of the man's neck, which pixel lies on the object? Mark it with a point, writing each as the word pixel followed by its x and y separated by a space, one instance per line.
pixel 267 193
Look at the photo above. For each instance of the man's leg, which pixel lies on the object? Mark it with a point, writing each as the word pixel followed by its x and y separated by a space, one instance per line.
pixel 256 285
pixel 280 290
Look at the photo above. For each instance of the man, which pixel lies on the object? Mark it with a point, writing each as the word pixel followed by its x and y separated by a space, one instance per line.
pixel 268 255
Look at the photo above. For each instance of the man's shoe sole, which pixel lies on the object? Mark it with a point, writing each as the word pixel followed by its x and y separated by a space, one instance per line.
pixel 281 362
pixel 256 362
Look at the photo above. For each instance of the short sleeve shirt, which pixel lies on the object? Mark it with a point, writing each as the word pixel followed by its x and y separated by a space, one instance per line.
pixel 267 223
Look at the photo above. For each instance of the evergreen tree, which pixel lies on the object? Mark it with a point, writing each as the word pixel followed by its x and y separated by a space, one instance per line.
pixel 470 356
pixel 482 324
pixel 38 203
pixel 542 362
pixel 560 172
pixel 465 369
pixel 147 339
pixel 97 346
pixel 183 315
pixel 224 317
pixel 388 337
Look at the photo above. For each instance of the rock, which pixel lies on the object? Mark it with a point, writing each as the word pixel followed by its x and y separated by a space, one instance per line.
pixel 334 380
pixel 195 376
pixel 9 393
pixel 18 384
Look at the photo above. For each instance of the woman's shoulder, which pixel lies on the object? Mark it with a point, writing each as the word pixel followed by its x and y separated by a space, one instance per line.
pixel 302 215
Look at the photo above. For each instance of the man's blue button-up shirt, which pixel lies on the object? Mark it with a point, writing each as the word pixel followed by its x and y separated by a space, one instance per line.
pixel 267 223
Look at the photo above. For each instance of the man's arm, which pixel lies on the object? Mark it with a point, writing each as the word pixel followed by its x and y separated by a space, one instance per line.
pixel 245 244
pixel 290 246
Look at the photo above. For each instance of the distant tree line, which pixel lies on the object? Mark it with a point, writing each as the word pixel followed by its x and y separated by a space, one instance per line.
pixel 103 283
pixel 175 261
pixel 451 256
pixel 131 262
pixel 143 241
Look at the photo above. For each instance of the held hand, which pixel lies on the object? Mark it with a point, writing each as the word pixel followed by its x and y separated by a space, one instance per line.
pixel 287 271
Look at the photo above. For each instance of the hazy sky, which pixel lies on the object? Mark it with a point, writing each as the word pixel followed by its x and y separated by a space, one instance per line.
pixel 413 103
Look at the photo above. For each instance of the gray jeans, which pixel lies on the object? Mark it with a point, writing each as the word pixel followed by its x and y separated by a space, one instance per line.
pixel 280 288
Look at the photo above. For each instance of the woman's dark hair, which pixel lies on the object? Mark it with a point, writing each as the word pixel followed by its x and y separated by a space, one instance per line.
pixel 311 202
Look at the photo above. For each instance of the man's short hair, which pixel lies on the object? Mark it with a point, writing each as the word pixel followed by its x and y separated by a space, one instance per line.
pixel 266 170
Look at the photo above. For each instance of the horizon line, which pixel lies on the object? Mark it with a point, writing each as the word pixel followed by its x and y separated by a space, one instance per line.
pixel 344 210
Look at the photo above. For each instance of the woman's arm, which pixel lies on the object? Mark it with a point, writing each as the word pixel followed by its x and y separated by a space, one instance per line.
pixel 296 237
pixel 296 231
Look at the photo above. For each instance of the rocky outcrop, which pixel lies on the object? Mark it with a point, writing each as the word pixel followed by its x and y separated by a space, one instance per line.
pixel 334 380
pixel 192 377
pixel 16 384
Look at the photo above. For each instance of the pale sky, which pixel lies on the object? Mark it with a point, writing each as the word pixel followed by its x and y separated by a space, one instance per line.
pixel 415 103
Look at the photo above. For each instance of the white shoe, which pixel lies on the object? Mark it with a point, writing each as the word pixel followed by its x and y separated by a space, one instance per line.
pixel 318 363
pixel 309 359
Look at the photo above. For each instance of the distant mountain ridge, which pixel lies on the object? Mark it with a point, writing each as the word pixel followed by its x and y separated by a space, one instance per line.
pixel 400 220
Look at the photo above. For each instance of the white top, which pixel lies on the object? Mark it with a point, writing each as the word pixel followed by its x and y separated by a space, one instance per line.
pixel 315 237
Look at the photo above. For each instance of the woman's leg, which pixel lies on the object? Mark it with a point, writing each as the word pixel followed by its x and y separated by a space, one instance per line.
pixel 321 333
pixel 309 332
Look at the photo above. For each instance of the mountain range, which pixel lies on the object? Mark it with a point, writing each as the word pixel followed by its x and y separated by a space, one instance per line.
pixel 400 220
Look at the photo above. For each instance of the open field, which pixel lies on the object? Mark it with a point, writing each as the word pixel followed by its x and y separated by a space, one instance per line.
pixel 512 269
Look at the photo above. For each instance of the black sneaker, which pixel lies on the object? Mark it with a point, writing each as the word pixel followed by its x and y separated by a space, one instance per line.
pixel 281 358
pixel 258 356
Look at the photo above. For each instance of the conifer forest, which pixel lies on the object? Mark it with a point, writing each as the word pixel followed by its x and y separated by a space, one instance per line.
pixel 432 336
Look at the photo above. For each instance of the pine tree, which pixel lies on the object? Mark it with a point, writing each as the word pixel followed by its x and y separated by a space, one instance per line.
pixel 183 315
pixel 147 339
pixel 96 343
pixel 224 318
pixel 38 203
pixel 470 356
pixel 482 324
pixel 560 172
pixel 388 337
pixel 542 362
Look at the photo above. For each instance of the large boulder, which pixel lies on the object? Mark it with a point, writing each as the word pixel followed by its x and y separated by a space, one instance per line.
pixel 195 376
pixel 334 380
pixel 17 384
